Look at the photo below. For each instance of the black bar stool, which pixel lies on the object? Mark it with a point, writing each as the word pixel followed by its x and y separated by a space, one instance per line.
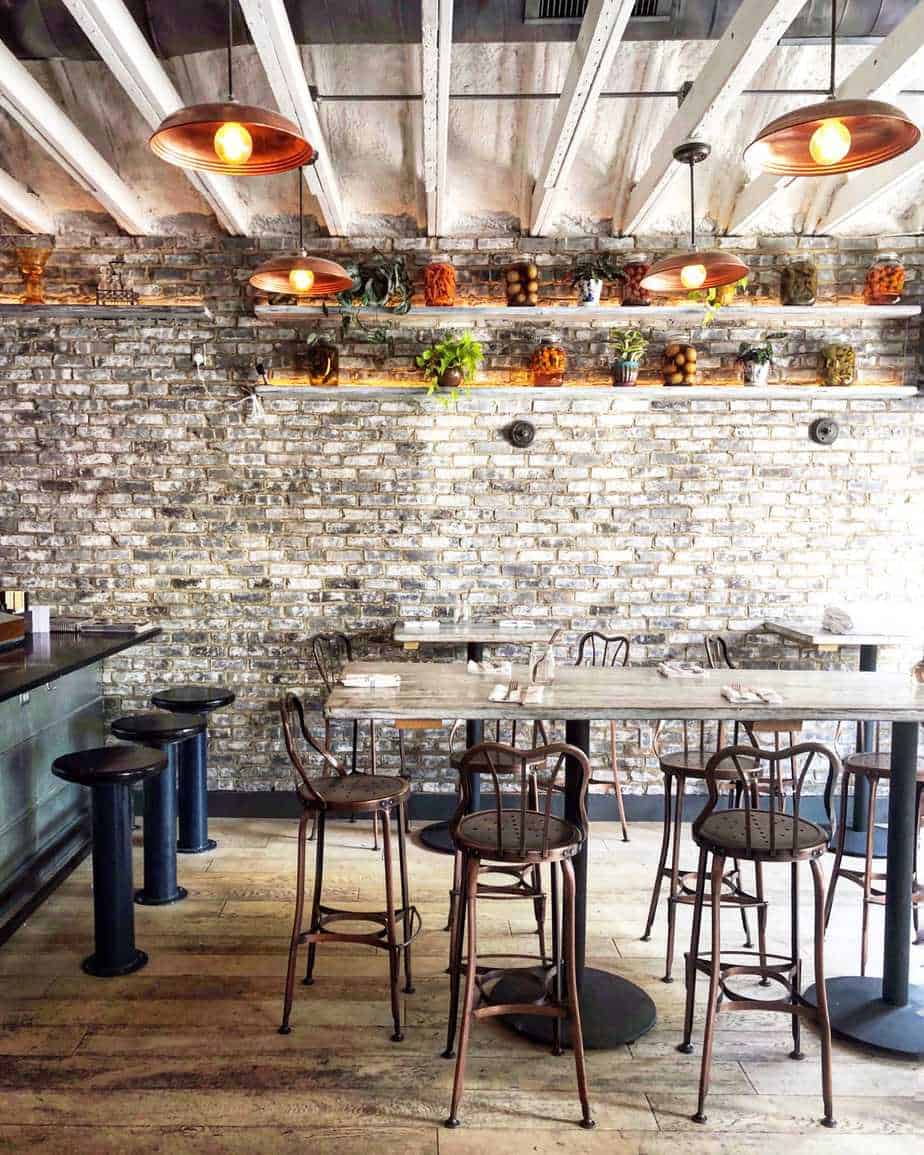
pixel 163 732
pixel 193 762
pixel 110 772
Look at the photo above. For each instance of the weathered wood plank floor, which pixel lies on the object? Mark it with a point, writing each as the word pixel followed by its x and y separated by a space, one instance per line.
pixel 184 1056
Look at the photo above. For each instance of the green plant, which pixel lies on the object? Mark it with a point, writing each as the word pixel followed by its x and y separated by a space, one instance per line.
pixel 599 268
pixel 761 354
pixel 716 297
pixel 628 344
pixel 459 351
pixel 380 282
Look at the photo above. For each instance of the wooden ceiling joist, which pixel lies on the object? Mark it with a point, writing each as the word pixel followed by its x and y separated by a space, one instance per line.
pixel 33 109
pixel 272 35
pixel 747 42
pixel 598 39
pixel 878 77
pixel 111 29
pixel 26 209
pixel 436 60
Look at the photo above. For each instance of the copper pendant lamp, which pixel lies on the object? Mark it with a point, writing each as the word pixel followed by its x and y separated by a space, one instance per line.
pixel 301 275
pixel 707 269
pixel 835 136
pixel 231 138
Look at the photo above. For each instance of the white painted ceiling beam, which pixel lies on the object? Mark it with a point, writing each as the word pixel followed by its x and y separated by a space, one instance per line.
pixel 748 41
pixel 436 62
pixel 878 76
pixel 111 29
pixel 30 105
pixel 866 187
pixel 271 31
pixel 24 207
pixel 598 39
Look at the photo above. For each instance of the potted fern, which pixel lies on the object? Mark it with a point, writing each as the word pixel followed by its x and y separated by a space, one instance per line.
pixel 451 363
pixel 629 347
pixel 756 361
pixel 588 278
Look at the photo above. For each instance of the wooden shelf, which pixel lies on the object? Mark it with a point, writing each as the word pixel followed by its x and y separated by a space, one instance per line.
pixel 592 315
pixel 639 393
pixel 106 312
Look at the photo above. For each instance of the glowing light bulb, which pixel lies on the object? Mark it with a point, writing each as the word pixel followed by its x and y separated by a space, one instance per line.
pixel 233 143
pixel 830 142
pixel 301 280
pixel 692 276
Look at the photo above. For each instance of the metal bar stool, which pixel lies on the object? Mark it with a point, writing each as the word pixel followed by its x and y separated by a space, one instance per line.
pixel 522 833
pixel 345 792
pixel 162 732
pixel 192 770
pixel 751 834
pixel 110 772
pixel 596 649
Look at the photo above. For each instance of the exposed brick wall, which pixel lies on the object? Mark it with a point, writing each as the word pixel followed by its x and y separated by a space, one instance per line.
pixel 129 487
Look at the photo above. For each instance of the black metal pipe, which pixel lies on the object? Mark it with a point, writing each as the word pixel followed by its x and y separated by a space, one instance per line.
pixel 113 911
pixel 192 792
pixel 900 863
pixel 160 885
pixel 865 738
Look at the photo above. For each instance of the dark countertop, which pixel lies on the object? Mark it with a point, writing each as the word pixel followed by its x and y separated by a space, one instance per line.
pixel 22 670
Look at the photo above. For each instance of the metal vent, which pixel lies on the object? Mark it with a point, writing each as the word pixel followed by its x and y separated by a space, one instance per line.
pixel 572 11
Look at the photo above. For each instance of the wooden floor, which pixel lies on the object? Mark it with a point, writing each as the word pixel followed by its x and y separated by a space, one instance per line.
pixel 184 1056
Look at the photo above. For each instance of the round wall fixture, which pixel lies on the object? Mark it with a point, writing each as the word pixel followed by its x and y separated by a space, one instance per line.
pixel 521 434
pixel 824 430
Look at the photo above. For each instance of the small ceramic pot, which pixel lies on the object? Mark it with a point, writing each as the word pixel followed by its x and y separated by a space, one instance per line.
pixel 451 379
pixel 624 372
pixel 755 372
pixel 589 290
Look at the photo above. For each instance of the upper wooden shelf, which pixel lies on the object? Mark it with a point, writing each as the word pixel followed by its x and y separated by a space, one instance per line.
pixel 593 315
pixel 105 312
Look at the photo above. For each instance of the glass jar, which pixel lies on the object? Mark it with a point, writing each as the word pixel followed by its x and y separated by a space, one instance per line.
pixel 632 291
pixel 522 285
pixel 839 364
pixel 798 283
pixel 678 364
pixel 885 280
pixel 548 364
pixel 439 284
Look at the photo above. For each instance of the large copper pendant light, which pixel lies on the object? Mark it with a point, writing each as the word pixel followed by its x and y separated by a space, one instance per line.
pixel 301 275
pixel 232 138
pixel 708 269
pixel 834 136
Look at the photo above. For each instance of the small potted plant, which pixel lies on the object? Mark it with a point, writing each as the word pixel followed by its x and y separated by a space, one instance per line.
pixel 451 363
pixel 588 278
pixel 756 361
pixel 629 347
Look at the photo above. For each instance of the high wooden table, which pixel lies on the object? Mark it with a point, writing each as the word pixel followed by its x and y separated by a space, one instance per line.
pixel 474 636
pixel 885 1012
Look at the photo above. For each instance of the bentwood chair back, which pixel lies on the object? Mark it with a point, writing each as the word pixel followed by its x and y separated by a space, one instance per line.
pixel 611 650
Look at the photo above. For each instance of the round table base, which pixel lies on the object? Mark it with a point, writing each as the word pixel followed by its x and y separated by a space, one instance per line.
pixel 142 899
pixel 613 1010
pixel 859 1014
pixel 855 843
pixel 210 845
pixel 91 967
pixel 436 837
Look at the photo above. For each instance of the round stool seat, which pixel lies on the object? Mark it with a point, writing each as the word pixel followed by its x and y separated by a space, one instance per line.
pixel 158 729
pixel 876 765
pixel 692 764
pixel 109 765
pixel 192 699
pixel 761 835
pixel 522 836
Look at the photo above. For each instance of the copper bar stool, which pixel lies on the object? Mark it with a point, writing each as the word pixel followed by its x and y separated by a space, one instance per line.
pixel 349 793
pixel 760 836
pixel 596 649
pixel 679 767
pixel 521 833
pixel 875 769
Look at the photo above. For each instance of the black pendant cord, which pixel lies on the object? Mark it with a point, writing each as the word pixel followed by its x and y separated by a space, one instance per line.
pixel 301 216
pixel 833 80
pixel 692 209
pixel 230 46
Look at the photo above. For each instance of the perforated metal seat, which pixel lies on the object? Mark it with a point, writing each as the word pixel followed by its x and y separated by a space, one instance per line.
pixel 520 841
pixel 357 792
pixel 756 835
pixel 692 764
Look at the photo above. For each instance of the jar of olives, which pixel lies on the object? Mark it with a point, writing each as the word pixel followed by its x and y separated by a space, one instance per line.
pixel 885 280
pixel 678 364
pixel 798 283
pixel 522 284
pixel 548 364
pixel 635 272
pixel 839 364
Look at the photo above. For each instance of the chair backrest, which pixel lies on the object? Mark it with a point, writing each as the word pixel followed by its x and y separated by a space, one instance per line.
pixel 331 653
pixel 596 649
pixel 783 827
pixel 717 655
pixel 505 733
pixel 537 773
pixel 295 732
pixel 697 737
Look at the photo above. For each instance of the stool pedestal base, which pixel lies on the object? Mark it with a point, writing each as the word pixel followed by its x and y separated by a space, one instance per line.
pixel 92 966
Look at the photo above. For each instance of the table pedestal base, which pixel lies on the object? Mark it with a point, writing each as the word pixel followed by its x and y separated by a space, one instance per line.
pixel 436 837
pixel 859 1014
pixel 613 1010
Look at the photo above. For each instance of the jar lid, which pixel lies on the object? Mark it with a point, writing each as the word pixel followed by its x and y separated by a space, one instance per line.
pixel 637 259
pixel 888 257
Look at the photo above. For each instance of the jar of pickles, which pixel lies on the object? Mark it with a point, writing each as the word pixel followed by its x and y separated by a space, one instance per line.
pixel 548 364
pixel 678 364
pixel 634 272
pixel 885 280
pixel 439 284
pixel 798 283
pixel 839 364
pixel 522 285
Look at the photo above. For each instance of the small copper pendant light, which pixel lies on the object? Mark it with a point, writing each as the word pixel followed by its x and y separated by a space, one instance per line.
pixel 232 138
pixel 301 275
pixel 707 269
pixel 834 136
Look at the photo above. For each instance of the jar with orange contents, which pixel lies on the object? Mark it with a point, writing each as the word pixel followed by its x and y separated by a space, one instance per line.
pixel 548 364
pixel 885 280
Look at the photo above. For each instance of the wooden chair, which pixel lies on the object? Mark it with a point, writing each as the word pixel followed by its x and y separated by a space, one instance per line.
pixel 748 833
pixel 521 833
pixel 679 767
pixel 596 649
pixel 348 792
